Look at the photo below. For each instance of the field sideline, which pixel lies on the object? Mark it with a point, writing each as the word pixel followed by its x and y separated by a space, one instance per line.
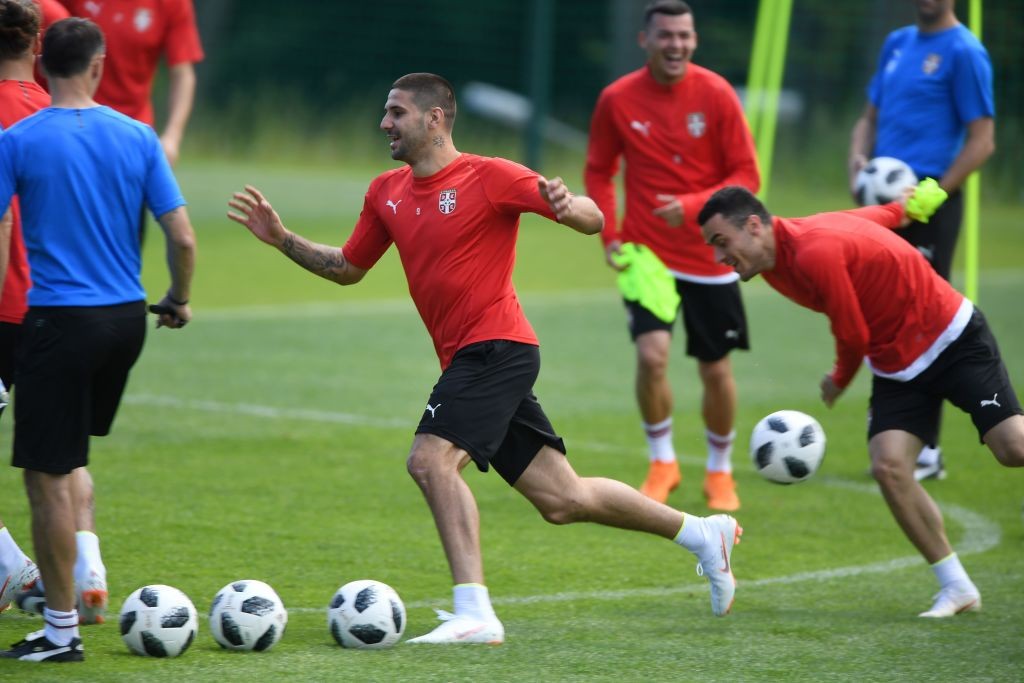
pixel 267 440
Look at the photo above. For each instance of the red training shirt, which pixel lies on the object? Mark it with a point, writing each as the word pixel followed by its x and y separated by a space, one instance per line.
pixel 52 11
pixel 18 99
pixel 456 234
pixel 137 33
pixel 688 139
pixel 881 296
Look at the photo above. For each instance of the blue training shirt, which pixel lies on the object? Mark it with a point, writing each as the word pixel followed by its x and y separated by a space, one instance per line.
pixel 928 87
pixel 82 177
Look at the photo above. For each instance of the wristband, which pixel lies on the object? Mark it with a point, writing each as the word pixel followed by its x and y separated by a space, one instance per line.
pixel 175 301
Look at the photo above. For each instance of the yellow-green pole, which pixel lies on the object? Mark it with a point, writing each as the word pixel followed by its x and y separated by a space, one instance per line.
pixel 972 195
pixel 759 65
pixel 773 84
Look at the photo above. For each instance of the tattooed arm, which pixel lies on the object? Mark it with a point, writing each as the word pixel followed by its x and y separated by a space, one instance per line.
pixel 256 214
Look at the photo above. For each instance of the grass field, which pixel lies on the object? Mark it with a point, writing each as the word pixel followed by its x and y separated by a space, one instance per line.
pixel 267 440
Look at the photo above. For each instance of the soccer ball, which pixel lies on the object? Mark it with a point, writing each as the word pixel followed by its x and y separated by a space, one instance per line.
pixel 883 180
pixel 158 621
pixel 787 446
pixel 247 615
pixel 366 614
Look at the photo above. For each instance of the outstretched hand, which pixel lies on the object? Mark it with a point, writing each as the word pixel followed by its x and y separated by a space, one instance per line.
pixel 256 214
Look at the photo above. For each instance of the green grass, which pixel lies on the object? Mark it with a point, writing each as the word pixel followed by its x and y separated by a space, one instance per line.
pixel 267 440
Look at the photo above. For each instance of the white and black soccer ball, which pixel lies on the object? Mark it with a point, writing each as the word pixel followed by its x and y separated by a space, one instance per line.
pixel 158 621
pixel 787 447
pixel 366 614
pixel 882 180
pixel 247 615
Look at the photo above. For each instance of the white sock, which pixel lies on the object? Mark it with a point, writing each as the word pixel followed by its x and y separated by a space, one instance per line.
pixel 472 600
pixel 89 559
pixel 60 627
pixel 949 570
pixel 719 451
pixel 692 536
pixel 659 441
pixel 11 556
pixel 928 456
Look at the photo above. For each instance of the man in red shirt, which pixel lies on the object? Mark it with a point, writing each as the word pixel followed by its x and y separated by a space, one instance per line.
pixel 20 97
pixel 454 219
pixel 139 33
pixel 923 341
pixel 680 130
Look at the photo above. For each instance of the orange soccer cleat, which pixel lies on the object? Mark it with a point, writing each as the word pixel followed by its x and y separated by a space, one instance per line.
pixel 720 490
pixel 662 479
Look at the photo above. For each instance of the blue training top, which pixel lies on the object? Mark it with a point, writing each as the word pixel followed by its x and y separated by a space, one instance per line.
pixel 82 176
pixel 928 87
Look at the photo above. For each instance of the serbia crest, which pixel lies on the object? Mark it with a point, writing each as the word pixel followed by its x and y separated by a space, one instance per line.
pixel 695 124
pixel 446 201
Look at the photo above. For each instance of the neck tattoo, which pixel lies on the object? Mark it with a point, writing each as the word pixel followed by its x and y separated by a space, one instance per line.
pixel 438 141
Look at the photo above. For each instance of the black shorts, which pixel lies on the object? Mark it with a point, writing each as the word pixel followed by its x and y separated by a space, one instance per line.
pixel 936 239
pixel 10 339
pixel 969 373
pixel 713 317
pixel 484 404
pixel 71 372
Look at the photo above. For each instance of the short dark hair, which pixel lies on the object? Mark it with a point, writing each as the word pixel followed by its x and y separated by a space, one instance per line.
pixel 69 46
pixel 19 25
pixel 671 7
pixel 429 91
pixel 736 203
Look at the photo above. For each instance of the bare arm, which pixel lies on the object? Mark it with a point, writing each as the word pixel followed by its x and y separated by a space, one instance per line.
pixel 181 260
pixel 978 147
pixel 862 141
pixel 181 93
pixel 6 223
pixel 254 212
pixel 579 212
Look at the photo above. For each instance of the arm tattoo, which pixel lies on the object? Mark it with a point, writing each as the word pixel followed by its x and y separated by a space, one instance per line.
pixel 325 261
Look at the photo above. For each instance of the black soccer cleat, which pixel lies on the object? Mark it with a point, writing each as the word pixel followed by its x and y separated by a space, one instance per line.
pixel 36 648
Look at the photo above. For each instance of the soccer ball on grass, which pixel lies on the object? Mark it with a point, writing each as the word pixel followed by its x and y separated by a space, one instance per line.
pixel 366 614
pixel 882 180
pixel 787 446
pixel 247 615
pixel 158 621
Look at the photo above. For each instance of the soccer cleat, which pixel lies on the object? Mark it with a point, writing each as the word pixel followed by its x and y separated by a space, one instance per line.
pixel 662 479
pixel 36 648
pixel 935 470
pixel 954 599
pixel 715 560
pixel 16 582
pixel 720 491
pixel 460 629
pixel 92 599
pixel 31 599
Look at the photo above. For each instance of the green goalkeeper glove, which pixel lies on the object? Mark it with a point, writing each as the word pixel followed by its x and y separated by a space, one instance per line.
pixel 926 200
pixel 647 281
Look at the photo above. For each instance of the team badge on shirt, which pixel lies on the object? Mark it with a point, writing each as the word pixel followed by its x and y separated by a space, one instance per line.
pixel 931 64
pixel 143 20
pixel 695 124
pixel 446 201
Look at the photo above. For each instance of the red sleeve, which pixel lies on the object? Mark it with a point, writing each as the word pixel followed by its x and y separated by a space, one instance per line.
pixel 603 153
pixel 182 45
pixel 828 276
pixel 370 238
pixel 737 148
pixel 53 11
pixel 887 215
pixel 512 188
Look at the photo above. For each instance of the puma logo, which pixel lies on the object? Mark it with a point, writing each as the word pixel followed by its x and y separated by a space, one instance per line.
pixel 394 205
pixel 643 128
pixel 993 402
pixel 433 409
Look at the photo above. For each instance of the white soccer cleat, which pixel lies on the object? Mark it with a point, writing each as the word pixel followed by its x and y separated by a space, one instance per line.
pixel 459 629
pixel 92 599
pixel 715 561
pixel 954 599
pixel 16 582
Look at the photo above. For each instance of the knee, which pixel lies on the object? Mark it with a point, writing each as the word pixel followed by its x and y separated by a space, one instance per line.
pixel 1011 455
pixel 652 360
pixel 419 467
pixel 890 471
pixel 566 508
pixel 717 373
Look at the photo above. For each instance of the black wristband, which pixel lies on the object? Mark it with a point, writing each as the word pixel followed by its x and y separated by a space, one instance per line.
pixel 175 301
